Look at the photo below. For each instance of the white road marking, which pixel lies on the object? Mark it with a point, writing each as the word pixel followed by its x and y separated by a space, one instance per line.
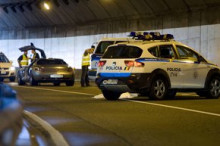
pixel 56 136
pixel 70 92
pixel 127 97
pixel 175 107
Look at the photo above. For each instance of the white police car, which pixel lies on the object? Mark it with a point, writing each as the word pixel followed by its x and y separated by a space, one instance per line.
pixel 6 68
pixel 100 49
pixel 157 67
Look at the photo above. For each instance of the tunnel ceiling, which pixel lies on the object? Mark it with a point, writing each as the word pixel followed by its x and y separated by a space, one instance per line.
pixel 29 13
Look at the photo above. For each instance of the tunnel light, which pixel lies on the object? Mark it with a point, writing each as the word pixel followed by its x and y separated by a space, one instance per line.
pixel 46 6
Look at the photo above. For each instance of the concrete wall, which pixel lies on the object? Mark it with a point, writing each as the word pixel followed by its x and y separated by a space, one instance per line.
pixel 204 39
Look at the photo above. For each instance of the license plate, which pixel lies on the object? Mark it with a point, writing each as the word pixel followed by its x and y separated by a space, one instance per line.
pixel 110 82
pixel 56 76
pixel 3 72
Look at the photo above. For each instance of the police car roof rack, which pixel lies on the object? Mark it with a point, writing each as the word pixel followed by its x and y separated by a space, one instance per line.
pixel 151 36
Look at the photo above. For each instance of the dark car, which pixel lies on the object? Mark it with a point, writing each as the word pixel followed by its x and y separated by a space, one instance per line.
pixel 44 70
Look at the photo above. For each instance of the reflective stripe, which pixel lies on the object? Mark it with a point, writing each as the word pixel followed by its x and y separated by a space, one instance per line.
pixel 86 60
pixel 24 61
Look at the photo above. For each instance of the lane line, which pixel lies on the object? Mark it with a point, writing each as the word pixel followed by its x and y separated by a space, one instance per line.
pixel 175 107
pixel 70 92
pixel 56 136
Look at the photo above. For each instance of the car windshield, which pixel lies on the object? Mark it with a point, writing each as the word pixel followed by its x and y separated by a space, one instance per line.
pixel 122 51
pixel 51 62
pixel 3 58
pixel 102 46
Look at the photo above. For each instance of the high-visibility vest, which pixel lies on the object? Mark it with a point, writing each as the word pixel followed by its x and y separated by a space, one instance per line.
pixel 24 61
pixel 34 56
pixel 86 60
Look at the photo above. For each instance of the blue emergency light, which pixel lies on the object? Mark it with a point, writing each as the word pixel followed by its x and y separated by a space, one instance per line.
pixel 150 36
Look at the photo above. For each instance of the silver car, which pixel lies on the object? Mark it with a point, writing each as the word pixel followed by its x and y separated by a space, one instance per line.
pixel 44 70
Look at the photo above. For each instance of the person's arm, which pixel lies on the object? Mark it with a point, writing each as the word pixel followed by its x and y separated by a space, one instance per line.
pixel 19 61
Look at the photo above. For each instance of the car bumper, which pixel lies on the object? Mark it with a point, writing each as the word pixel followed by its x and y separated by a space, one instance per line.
pixel 7 74
pixel 46 77
pixel 137 82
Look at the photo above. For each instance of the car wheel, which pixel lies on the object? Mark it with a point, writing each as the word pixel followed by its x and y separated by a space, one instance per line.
pixel 70 83
pixel 158 89
pixel 12 79
pixel 1 79
pixel 32 81
pixel 56 84
pixel 171 94
pixel 110 95
pixel 20 82
pixel 214 88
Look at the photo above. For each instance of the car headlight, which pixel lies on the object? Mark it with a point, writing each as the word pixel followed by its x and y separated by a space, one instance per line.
pixel 12 68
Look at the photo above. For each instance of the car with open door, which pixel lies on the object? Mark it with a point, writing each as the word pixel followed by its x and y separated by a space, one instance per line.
pixel 43 70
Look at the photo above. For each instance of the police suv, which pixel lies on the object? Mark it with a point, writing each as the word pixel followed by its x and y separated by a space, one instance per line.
pixel 6 68
pixel 100 49
pixel 157 67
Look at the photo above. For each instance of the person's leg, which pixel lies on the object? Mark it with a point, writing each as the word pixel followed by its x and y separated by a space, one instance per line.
pixel 83 75
pixel 87 76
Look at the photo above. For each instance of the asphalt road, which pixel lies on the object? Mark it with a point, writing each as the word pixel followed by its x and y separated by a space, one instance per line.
pixel 84 120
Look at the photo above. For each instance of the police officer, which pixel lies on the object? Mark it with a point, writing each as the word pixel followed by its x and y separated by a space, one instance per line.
pixel 85 66
pixel 35 55
pixel 23 60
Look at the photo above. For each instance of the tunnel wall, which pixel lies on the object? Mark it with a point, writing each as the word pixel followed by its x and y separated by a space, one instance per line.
pixel 199 30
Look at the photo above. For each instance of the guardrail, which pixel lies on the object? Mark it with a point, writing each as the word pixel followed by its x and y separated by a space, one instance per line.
pixel 10 116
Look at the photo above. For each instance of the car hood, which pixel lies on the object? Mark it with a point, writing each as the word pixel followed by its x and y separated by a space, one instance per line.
pixel 5 65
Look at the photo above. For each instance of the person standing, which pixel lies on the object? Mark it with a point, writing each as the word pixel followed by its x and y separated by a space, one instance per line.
pixel 23 60
pixel 85 66
pixel 35 55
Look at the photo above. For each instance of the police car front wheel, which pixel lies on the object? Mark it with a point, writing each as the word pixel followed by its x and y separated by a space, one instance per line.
pixel 110 95
pixel 158 88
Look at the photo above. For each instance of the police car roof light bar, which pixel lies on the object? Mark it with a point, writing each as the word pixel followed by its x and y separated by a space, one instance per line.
pixel 150 36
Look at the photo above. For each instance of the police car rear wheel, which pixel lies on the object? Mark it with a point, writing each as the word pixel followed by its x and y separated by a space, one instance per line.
pixel 110 95
pixel 158 89
pixel 214 88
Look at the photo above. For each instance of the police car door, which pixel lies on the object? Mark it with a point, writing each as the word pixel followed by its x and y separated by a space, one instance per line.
pixel 166 61
pixel 195 72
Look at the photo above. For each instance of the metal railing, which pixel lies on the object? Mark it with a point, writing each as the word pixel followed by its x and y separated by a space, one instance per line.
pixel 10 116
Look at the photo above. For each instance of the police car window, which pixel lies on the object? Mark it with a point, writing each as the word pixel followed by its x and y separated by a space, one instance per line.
pixel 122 52
pixel 3 58
pixel 166 51
pixel 102 46
pixel 186 53
pixel 153 51
pixel 51 62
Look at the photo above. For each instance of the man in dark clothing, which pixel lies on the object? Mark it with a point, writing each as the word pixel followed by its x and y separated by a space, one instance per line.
pixel 35 55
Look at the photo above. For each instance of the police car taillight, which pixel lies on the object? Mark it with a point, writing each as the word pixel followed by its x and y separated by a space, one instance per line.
pixel 101 63
pixel 129 63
